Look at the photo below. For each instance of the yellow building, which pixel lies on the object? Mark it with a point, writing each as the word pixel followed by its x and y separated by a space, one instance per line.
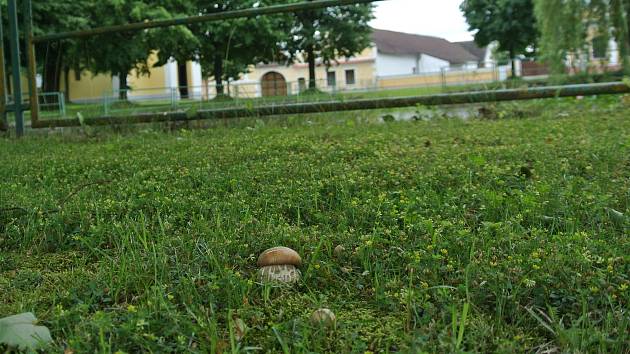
pixel 358 72
pixel 163 83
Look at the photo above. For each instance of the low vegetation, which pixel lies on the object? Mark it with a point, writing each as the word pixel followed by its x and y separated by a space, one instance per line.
pixel 487 235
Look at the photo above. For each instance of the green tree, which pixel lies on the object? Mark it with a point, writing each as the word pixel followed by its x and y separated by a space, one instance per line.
pixel 227 48
pixel 120 53
pixel 328 34
pixel 620 14
pixel 568 25
pixel 57 58
pixel 510 23
pixel 563 30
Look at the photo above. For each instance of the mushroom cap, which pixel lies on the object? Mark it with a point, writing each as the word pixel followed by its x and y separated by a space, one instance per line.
pixel 339 250
pixel 279 256
pixel 284 273
pixel 324 316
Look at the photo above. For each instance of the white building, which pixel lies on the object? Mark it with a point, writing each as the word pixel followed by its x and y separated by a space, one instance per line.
pixel 409 54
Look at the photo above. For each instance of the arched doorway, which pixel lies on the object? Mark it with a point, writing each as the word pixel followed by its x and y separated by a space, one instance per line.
pixel 273 84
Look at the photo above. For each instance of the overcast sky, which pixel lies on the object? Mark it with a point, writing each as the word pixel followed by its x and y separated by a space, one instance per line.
pixel 440 18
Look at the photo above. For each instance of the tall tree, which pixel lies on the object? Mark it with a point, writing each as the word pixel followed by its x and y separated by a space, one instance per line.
pixel 227 48
pixel 569 27
pixel 510 23
pixel 563 30
pixel 328 34
pixel 620 14
pixel 120 53
pixel 57 57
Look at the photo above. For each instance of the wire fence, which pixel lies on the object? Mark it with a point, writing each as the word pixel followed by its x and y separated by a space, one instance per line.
pixel 275 93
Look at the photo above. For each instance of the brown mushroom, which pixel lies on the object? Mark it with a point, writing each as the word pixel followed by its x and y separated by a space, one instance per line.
pixel 279 256
pixel 324 317
pixel 279 265
pixel 339 250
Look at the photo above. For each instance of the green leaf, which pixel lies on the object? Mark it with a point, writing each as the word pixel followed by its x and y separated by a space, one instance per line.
pixel 20 331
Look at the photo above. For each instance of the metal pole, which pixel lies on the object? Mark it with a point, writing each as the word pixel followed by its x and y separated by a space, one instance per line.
pixel 4 124
pixel 219 16
pixel 15 63
pixel 32 65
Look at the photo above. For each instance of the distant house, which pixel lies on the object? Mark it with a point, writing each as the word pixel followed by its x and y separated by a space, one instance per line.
pixel 483 54
pixel 395 59
pixel 405 54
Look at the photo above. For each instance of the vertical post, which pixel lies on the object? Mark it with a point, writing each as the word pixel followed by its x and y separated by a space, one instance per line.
pixel 32 66
pixel 62 103
pixel 106 103
pixel 15 63
pixel 4 124
pixel 174 98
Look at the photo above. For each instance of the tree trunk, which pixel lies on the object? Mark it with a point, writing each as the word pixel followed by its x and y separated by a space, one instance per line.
pixel 513 61
pixel 122 93
pixel 52 70
pixel 66 75
pixel 218 74
pixel 310 56
pixel 626 60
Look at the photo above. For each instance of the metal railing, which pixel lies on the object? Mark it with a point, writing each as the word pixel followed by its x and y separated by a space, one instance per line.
pixel 51 103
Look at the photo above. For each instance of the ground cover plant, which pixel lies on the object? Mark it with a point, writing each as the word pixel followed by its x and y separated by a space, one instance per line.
pixel 487 235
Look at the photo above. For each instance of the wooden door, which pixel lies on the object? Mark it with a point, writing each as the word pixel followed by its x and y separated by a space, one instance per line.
pixel 273 84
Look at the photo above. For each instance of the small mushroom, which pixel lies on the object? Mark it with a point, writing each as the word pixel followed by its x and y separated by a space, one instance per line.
pixel 338 252
pixel 279 265
pixel 324 317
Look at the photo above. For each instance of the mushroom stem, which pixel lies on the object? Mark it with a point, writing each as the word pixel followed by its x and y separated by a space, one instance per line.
pixel 287 274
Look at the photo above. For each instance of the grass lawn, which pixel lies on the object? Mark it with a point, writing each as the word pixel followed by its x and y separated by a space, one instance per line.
pixel 505 235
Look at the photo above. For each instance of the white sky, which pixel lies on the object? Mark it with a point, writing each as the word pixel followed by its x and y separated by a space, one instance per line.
pixel 439 18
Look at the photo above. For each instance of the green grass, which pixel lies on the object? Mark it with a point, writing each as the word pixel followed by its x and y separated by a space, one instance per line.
pixel 484 236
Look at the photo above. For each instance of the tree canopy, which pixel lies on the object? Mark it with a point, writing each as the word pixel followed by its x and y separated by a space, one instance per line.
pixel 224 49
pixel 572 28
pixel 328 34
pixel 509 23
pixel 227 48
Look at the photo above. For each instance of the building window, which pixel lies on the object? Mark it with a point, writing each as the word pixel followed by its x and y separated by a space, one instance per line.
pixel 350 79
pixel 302 84
pixel 600 47
pixel 77 75
pixel 331 78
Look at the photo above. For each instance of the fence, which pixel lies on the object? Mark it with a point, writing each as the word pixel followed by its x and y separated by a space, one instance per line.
pixel 52 104
pixel 444 77
pixel 251 95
